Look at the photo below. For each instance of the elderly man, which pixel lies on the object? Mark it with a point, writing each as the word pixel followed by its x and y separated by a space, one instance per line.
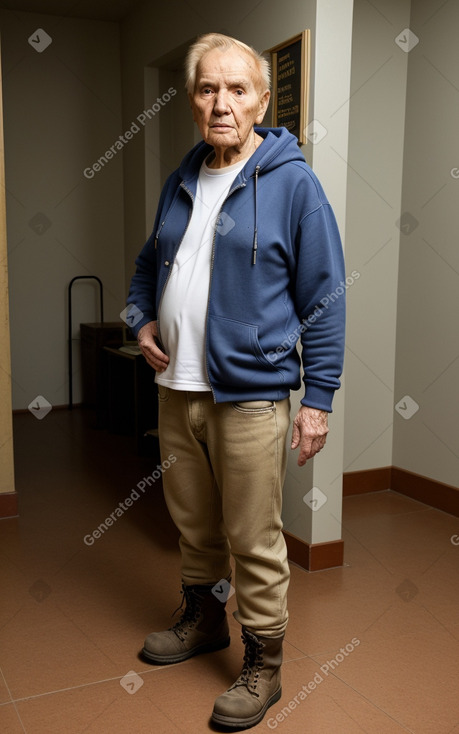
pixel 244 248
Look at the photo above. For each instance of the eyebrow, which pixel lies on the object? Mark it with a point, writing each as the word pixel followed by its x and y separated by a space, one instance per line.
pixel 231 83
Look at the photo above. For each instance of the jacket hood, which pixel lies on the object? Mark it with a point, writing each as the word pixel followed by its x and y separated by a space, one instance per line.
pixel 278 147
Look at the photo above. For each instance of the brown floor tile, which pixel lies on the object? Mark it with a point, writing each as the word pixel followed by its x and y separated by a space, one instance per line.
pixel 329 705
pixel 43 651
pixel 382 503
pixel 408 671
pixel 400 540
pixel 9 720
pixel 4 693
pixel 104 708
pixel 73 616
pixel 12 585
pixel 328 608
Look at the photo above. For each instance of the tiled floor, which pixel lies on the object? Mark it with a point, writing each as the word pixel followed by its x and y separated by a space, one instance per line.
pixel 73 615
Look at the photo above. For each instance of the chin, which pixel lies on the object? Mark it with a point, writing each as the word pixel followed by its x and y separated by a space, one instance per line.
pixel 221 139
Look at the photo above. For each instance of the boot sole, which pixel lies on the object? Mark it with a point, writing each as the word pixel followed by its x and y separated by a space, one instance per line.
pixel 237 723
pixel 150 657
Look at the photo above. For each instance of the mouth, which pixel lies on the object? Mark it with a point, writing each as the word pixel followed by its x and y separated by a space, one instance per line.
pixel 221 126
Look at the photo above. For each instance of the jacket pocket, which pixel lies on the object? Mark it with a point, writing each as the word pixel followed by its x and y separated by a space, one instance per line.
pixel 235 356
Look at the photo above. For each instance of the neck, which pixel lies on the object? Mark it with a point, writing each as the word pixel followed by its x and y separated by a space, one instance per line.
pixel 224 157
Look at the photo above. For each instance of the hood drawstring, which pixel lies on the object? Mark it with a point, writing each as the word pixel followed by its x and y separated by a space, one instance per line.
pixel 255 234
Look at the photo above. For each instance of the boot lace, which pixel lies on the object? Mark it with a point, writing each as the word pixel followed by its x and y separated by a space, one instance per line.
pixel 190 614
pixel 253 663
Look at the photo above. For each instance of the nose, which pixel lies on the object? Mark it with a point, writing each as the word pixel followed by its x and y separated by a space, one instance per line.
pixel 221 106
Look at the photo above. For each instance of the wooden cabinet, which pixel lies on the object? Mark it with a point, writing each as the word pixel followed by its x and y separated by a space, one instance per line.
pixel 119 384
pixel 94 337
pixel 132 398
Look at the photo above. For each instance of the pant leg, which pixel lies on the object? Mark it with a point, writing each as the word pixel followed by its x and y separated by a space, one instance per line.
pixel 190 489
pixel 247 450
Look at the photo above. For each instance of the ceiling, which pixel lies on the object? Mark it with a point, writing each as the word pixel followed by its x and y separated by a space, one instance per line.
pixel 95 9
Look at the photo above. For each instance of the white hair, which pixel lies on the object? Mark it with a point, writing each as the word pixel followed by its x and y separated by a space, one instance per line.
pixel 210 41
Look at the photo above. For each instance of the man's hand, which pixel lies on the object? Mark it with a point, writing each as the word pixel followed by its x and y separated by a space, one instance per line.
pixel 310 428
pixel 150 350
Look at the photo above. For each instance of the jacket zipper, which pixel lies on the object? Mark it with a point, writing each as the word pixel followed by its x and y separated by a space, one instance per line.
pixel 161 225
pixel 255 234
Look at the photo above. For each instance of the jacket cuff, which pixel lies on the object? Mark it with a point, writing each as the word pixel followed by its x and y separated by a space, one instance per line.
pixel 146 319
pixel 319 397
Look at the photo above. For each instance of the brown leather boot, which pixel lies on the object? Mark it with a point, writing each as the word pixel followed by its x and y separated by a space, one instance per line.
pixel 203 627
pixel 257 688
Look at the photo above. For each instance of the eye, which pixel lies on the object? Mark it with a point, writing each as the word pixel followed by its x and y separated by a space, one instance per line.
pixel 239 92
pixel 207 91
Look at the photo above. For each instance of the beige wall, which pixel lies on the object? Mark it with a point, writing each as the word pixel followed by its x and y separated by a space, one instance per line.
pixel 6 428
pixel 377 120
pixel 62 110
pixel 402 333
pixel 427 366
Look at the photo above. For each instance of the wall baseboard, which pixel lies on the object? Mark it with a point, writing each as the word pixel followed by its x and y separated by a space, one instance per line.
pixel 369 480
pixel 316 556
pixel 9 504
pixel 319 556
pixel 435 494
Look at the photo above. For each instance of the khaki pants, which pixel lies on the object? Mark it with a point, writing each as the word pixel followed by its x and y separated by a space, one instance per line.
pixel 224 493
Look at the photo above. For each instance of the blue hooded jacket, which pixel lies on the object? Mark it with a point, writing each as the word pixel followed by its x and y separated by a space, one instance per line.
pixel 277 275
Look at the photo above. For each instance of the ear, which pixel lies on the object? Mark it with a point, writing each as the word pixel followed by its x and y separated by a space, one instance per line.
pixel 263 106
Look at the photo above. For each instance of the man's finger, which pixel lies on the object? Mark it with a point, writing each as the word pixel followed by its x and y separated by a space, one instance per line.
pixel 295 436
pixel 154 356
pixel 305 451
pixel 309 448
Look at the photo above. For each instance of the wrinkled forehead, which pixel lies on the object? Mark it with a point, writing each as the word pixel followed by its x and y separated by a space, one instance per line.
pixel 228 66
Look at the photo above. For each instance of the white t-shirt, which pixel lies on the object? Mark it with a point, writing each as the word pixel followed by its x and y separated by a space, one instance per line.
pixel 184 303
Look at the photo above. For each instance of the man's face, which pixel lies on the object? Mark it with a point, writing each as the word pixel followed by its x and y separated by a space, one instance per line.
pixel 228 99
